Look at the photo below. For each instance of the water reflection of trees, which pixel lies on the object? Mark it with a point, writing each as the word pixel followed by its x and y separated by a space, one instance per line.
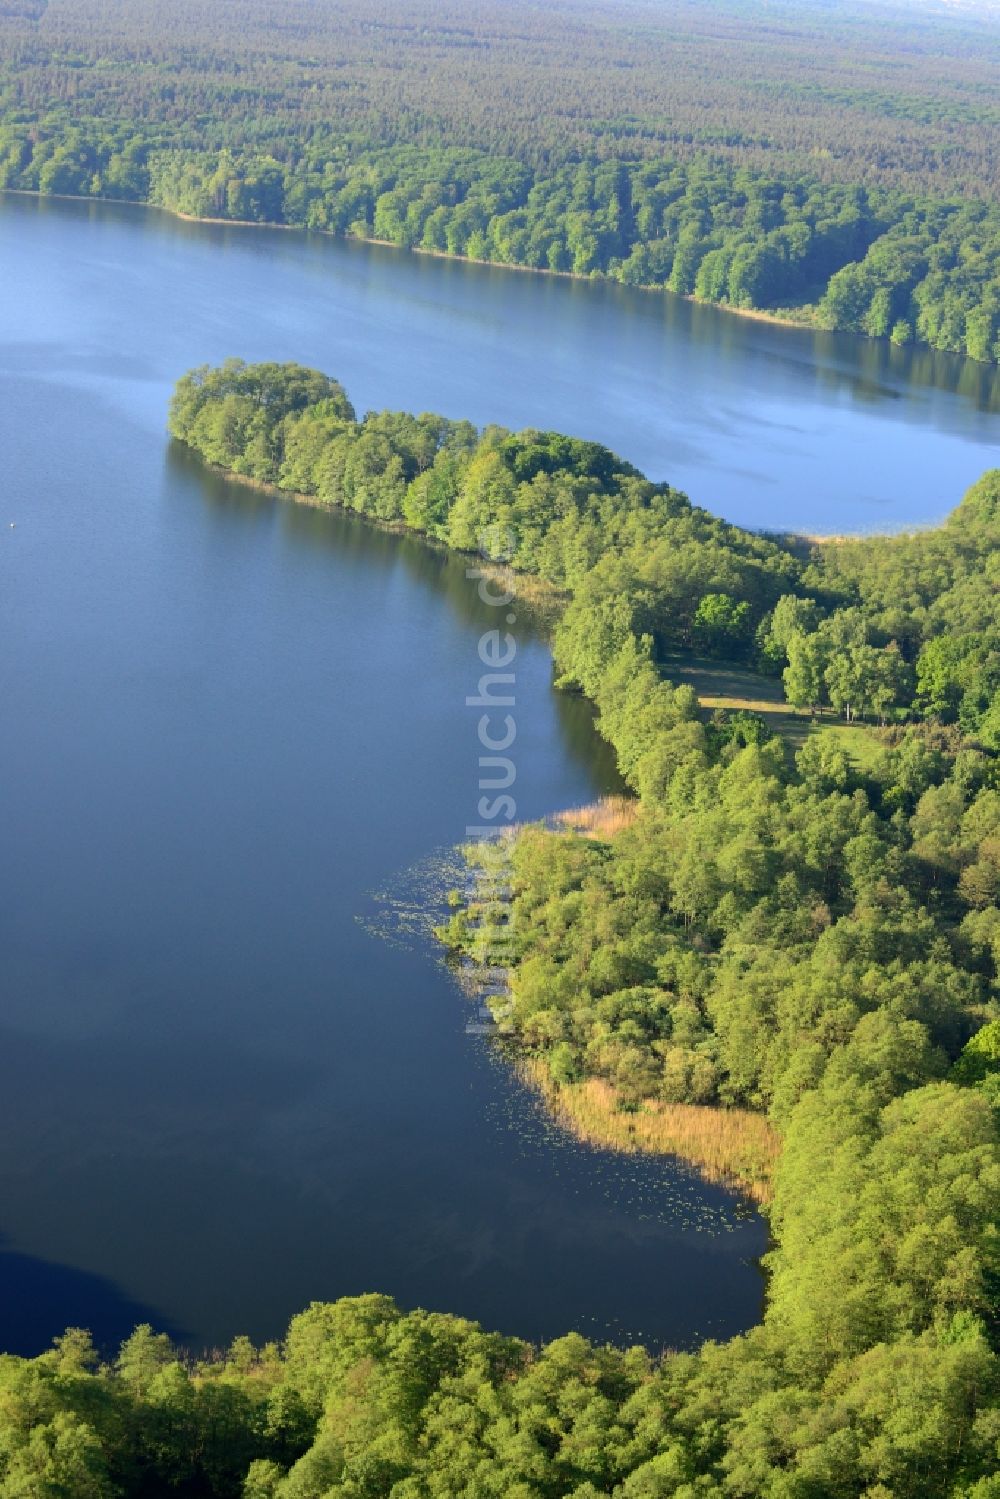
pixel 379 551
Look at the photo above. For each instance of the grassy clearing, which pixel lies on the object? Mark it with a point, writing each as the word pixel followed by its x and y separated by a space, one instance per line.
pixel 859 743
pixel 724 684
pixel 731 1146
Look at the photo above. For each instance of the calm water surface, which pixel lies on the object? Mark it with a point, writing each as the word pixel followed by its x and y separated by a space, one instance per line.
pixel 772 427
pixel 233 753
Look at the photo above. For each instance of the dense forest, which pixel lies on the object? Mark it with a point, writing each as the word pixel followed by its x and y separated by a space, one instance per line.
pixel 835 164
pixel 803 927
pixel 896 628
pixel 809 934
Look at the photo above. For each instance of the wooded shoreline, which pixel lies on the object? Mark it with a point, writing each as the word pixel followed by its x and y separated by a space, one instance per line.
pixel 778 320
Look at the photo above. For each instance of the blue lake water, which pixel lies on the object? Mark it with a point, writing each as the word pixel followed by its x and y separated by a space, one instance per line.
pixel 234 753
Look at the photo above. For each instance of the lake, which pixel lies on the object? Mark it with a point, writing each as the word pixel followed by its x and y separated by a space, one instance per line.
pixel 772 427
pixel 234 756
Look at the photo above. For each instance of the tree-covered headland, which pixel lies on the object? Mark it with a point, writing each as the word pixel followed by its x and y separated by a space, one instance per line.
pixel 813 935
pixel 838 163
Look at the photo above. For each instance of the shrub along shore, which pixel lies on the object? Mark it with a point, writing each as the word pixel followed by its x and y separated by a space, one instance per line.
pixel 811 940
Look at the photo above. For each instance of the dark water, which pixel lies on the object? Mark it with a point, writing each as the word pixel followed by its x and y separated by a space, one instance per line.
pixel 234 750
pixel 772 427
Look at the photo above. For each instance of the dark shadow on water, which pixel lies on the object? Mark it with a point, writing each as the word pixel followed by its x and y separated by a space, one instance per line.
pixel 40 1299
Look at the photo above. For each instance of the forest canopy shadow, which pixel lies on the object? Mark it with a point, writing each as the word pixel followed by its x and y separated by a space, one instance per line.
pixel 40 1299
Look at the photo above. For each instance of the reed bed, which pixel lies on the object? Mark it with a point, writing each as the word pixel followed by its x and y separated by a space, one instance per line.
pixel 601 819
pixel 731 1146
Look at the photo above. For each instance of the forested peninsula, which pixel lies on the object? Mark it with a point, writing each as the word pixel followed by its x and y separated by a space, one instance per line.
pixel 720 163
pixel 809 933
